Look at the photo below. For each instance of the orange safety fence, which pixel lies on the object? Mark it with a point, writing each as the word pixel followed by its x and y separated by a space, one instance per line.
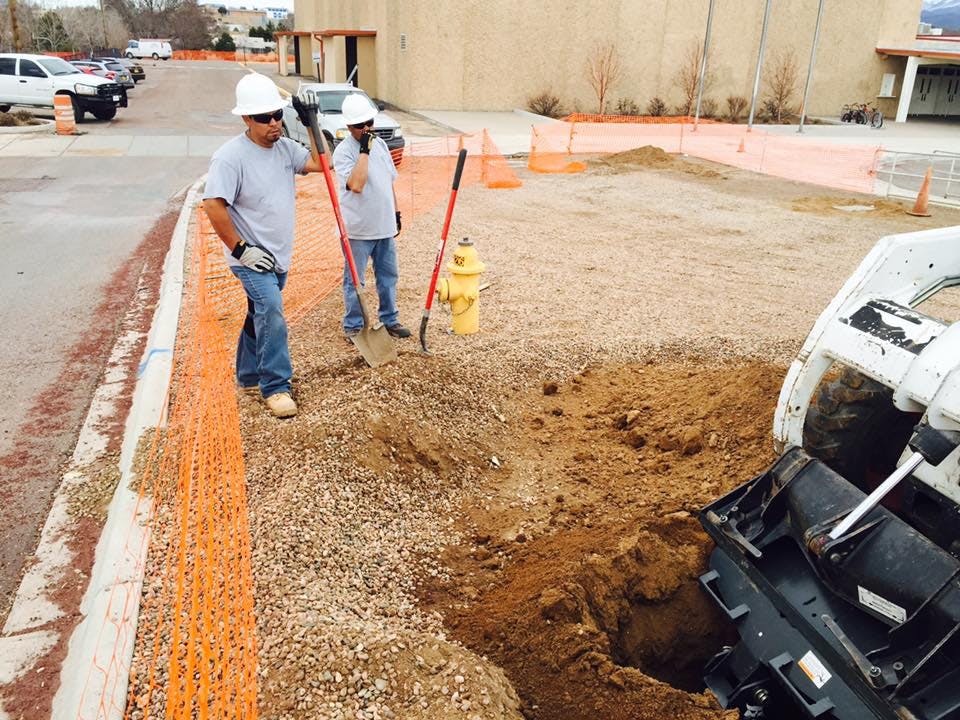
pixel 195 649
pixel 652 119
pixel 230 56
pixel 561 147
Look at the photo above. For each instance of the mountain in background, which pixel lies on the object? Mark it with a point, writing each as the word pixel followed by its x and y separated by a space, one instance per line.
pixel 941 13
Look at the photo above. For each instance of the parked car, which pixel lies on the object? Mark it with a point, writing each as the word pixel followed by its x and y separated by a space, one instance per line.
pixel 330 98
pixel 133 67
pixel 110 70
pixel 34 80
pixel 156 49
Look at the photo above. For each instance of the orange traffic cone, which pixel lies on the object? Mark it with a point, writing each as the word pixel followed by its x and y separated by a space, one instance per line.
pixel 920 206
pixel 741 148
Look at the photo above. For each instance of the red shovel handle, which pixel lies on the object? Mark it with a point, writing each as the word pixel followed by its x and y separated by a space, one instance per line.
pixel 441 246
pixel 320 143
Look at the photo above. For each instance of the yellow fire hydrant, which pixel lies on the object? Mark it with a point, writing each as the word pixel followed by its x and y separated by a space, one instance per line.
pixel 462 288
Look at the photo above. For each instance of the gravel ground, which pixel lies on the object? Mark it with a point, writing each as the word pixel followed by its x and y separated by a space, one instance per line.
pixel 353 502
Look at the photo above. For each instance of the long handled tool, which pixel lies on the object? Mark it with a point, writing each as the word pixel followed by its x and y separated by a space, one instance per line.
pixel 461 159
pixel 373 341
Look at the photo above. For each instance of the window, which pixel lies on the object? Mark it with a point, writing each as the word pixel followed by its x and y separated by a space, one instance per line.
pixel 886 86
pixel 8 66
pixel 28 68
pixel 56 66
pixel 403 41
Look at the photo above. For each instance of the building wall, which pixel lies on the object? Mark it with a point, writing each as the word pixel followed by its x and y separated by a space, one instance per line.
pixel 496 54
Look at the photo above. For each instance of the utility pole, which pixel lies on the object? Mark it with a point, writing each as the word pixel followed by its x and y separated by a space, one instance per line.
pixel 756 79
pixel 703 66
pixel 813 56
pixel 103 25
pixel 14 27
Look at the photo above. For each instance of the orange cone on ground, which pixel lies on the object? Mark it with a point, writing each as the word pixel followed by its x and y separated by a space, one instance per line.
pixel 741 148
pixel 63 113
pixel 920 206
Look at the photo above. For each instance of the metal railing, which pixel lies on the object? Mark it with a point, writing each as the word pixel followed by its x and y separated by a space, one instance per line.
pixel 900 175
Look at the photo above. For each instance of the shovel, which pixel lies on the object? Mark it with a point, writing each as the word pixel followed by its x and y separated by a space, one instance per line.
pixel 373 341
pixel 461 159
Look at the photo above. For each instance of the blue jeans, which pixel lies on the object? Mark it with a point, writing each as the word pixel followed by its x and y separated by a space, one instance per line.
pixel 263 357
pixel 385 270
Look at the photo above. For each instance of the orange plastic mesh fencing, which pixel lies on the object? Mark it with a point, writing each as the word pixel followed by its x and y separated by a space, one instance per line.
pixel 229 56
pixel 554 148
pixel 651 119
pixel 195 648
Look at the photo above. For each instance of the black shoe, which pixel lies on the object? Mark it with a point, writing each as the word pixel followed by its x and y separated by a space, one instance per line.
pixel 398 331
pixel 349 335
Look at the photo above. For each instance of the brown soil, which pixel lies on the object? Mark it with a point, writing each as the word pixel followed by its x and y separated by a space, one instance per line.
pixel 589 600
pixel 830 206
pixel 650 156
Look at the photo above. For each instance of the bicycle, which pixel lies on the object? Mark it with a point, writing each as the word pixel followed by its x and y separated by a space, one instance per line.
pixel 862 114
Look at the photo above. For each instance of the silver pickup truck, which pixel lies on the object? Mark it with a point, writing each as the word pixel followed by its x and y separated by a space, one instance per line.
pixel 330 98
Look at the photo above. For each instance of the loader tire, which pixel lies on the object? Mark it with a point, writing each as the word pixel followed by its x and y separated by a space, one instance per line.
pixel 853 426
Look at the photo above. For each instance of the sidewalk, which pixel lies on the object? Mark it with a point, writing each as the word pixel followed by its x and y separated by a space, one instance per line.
pixel 50 145
pixel 918 136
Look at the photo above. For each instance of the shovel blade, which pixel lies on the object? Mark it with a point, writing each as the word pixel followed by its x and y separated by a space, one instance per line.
pixel 375 345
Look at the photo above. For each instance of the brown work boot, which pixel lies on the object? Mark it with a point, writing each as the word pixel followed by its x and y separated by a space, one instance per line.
pixel 281 405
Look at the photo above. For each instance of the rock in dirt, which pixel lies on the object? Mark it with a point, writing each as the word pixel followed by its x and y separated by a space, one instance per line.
pixel 560 606
pixel 550 388
pixel 691 440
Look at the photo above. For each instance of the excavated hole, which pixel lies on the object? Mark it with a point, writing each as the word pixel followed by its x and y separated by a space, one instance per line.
pixel 672 640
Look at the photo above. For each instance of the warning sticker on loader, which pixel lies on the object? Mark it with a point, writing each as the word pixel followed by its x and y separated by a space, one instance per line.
pixel 814 669
pixel 881 605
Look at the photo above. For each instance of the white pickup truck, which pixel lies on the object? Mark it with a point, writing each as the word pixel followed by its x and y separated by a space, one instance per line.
pixel 34 80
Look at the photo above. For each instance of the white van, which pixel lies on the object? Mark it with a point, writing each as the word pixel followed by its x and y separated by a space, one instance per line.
pixel 155 49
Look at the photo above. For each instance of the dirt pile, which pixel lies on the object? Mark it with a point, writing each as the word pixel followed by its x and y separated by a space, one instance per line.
pixel 652 157
pixel 828 205
pixel 580 577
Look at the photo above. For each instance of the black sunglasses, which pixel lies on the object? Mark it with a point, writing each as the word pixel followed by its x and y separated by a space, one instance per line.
pixel 264 118
pixel 361 126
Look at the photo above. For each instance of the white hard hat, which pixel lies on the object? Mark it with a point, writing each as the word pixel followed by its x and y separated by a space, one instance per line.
pixel 357 109
pixel 257 94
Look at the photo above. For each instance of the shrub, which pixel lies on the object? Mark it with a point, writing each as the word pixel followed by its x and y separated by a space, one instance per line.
pixel 7 120
pixel 709 108
pixel 225 43
pixel 657 107
pixel 736 104
pixel 23 117
pixel 546 103
pixel 626 106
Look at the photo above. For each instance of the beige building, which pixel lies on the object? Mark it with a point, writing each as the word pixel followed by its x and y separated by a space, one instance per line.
pixel 496 54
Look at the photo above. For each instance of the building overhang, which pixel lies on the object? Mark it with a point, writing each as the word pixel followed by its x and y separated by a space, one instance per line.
pixel 327 33
pixel 941 49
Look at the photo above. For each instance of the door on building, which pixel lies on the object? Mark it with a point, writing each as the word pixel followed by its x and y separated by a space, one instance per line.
pixel 352 69
pixel 947 102
pixel 925 91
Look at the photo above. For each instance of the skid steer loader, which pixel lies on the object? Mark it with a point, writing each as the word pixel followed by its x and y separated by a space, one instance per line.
pixel 839 565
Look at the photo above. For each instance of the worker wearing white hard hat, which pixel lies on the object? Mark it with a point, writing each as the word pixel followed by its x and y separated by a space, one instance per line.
pixel 368 200
pixel 250 200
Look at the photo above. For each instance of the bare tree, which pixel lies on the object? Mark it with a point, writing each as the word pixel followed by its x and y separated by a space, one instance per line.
pixel 90 29
pixel 781 78
pixel 146 18
pixel 191 26
pixel 603 71
pixel 688 77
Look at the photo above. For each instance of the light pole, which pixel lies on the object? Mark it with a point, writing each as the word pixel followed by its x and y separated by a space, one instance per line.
pixel 756 79
pixel 703 66
pixel 103 25
pixel 813 56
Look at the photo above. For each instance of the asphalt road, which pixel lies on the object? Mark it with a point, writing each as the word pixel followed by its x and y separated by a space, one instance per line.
pixel 70 229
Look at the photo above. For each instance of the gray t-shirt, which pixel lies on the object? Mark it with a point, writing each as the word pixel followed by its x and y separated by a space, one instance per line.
pixel 258 185
pixel 369 214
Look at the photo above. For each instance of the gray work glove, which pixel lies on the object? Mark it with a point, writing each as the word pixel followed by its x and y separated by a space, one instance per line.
pixel 254 257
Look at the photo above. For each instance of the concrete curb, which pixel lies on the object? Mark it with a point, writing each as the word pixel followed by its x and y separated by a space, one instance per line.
pixel 44 126
pixel 111 604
